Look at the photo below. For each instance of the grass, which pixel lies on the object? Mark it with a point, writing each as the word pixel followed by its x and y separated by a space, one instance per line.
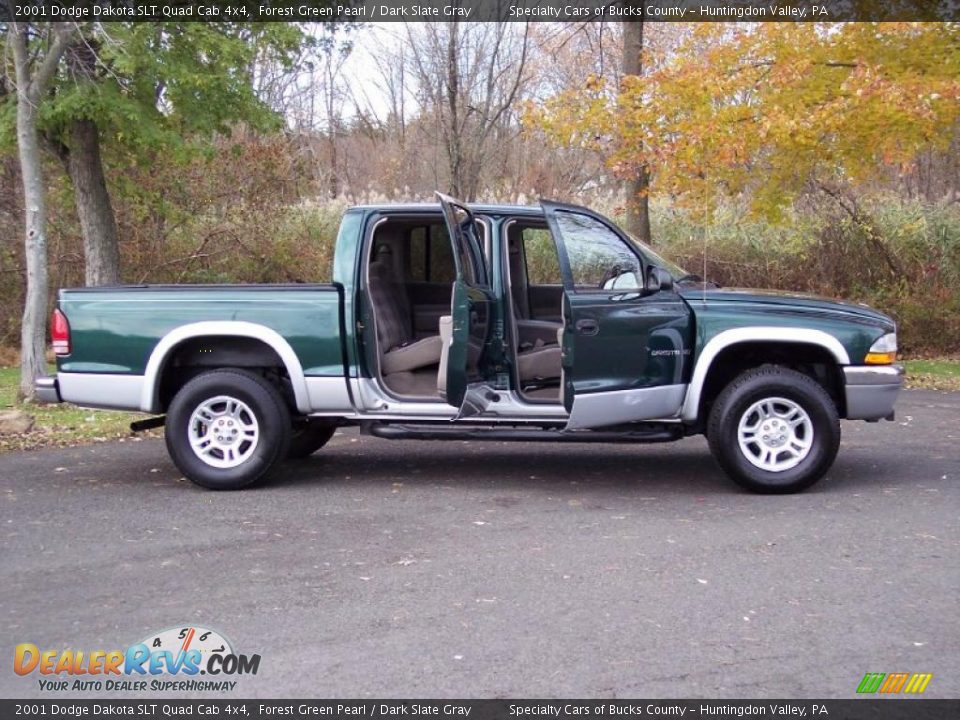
pixel 59 425
pixel 65 425
pixel 936 374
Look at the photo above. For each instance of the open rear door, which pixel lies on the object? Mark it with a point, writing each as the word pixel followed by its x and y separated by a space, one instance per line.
pixel 470 309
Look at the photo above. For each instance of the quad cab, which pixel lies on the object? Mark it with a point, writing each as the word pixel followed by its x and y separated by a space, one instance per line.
pixel 454 321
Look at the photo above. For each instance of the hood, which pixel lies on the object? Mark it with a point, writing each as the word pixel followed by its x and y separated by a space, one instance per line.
pixel 786 301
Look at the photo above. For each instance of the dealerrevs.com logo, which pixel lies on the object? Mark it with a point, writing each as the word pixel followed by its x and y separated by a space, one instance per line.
pixel 170 660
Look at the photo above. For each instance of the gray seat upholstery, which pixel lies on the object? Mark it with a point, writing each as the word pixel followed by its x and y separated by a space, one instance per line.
pixel 399 351
pixel 417 354
pixel 541 362
pixel 532 332
pixel 538 355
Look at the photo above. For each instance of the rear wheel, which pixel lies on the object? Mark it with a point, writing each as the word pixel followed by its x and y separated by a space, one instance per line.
pixel 774 430
pixel 227 428
pixel 308 438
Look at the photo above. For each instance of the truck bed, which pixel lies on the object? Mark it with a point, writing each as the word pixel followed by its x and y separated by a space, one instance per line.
pixel 115 330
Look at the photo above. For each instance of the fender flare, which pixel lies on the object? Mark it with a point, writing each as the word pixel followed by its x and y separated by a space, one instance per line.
pixel 149 397
pixel 723 340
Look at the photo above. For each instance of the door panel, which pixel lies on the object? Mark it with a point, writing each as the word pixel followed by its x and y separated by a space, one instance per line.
pixel 471 325
pixel 470 308
pixel 626 350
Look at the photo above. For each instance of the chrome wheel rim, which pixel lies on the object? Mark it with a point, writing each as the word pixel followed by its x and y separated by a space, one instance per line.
pixel 223 432
pixel 775 434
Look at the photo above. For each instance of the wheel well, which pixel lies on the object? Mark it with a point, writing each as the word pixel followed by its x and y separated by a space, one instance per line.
pixel 195 355
pixel 813 360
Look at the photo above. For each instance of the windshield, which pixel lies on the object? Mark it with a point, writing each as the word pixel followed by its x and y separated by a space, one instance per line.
pixel 654 259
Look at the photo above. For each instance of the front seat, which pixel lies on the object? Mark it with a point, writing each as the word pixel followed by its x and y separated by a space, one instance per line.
pixel 538 357
pixel 399 351
pixel 541 362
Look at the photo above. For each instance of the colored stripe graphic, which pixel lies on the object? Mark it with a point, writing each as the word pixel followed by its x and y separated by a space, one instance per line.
pixel 894 682
pixel 913 683
pixel 918 683
pixel 870 683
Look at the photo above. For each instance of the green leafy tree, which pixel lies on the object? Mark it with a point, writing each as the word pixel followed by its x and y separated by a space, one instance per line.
pixel 124 91
pixel 135 89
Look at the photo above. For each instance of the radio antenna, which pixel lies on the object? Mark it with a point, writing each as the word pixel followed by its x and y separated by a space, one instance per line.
pixel 706 235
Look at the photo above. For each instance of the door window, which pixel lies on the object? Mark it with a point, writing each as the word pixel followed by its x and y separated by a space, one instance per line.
pixel 598 257
pixel 431 256
pixel 540 252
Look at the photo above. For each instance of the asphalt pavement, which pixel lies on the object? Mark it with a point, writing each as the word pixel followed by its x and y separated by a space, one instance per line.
pixel 465 569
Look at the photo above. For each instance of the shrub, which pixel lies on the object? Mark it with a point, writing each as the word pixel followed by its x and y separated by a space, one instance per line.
pixel 901 257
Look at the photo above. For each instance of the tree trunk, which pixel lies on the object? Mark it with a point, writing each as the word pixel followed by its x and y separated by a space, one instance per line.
pixel 638 207
pixel 34 323
pixel 637 187
pixel 333 180
pixel 30 91
pixel 97 220
pixel 454 149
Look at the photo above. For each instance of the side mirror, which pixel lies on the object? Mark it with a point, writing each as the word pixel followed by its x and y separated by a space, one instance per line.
pixel 658 280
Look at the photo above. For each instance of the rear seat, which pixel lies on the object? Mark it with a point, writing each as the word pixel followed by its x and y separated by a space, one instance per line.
pixel 399 350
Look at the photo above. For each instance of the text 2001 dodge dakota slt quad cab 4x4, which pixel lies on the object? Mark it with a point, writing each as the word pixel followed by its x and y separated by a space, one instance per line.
pixel 498 322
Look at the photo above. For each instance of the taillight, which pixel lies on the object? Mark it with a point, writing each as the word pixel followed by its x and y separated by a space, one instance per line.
pixel 60 333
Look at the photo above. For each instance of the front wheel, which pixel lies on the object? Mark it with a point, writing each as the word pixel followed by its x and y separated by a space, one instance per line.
pixel 227 428
pixel 774 430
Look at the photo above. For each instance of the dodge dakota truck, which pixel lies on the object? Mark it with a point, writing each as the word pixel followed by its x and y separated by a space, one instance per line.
pixel 456 321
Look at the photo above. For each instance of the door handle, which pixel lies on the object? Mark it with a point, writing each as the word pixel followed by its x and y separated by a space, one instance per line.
pixel 587 327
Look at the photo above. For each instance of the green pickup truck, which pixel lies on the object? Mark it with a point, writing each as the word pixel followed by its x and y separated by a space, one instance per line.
pixel 456 321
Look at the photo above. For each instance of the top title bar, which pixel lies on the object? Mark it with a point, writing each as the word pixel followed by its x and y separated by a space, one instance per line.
pixel 480 10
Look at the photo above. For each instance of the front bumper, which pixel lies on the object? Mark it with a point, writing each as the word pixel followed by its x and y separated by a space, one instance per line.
pixel 47 389
pixel 871 390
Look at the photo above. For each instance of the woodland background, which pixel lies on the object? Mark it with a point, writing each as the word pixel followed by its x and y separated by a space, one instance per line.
pixel 822 158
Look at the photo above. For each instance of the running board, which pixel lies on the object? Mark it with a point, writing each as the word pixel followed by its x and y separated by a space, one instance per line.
pixel 645 433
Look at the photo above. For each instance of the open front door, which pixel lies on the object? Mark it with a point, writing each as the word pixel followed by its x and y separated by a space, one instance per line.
pixel 470 309
pixel 626 343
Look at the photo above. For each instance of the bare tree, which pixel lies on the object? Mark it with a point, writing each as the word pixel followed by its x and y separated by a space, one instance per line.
pixel 311 95
pixel 34 71
pixel 469 75
pixel 392 91
pixel 333 96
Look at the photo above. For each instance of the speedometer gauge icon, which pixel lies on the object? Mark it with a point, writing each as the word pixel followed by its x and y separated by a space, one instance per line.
pixel 182 639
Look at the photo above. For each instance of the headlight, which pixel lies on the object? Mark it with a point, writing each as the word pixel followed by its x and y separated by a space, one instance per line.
pixel 883 351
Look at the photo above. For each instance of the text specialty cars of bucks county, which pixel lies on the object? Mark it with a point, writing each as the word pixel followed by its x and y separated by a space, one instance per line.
pixel 456 321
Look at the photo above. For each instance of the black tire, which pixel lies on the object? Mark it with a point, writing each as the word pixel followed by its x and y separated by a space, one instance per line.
pixel 262 408
pixel 771 382
pixel 309 437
